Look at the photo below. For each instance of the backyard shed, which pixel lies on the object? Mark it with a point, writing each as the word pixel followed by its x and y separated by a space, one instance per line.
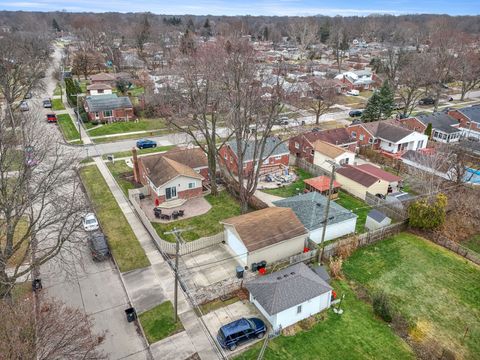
pixel 290 295
pixel 321 184
pixel 376 220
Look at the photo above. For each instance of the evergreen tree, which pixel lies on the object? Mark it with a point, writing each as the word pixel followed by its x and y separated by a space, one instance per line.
pixel 387 100
pixel 428 130
pixel 55 25
pixel 207 29
pixel 373 111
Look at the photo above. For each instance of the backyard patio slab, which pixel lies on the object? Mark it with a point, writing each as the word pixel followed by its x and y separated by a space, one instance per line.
pixel 192 208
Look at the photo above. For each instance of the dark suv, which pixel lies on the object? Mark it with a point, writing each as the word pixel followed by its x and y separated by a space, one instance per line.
pixel 426 101
pixel 98 246
pixel 239 331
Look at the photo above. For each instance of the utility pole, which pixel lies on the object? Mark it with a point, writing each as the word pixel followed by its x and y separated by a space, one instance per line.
pixel 327 208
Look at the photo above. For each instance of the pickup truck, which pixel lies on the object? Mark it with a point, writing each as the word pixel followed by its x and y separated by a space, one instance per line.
pixel 51 118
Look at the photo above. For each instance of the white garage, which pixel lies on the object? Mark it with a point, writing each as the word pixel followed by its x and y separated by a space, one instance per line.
pixel 310 210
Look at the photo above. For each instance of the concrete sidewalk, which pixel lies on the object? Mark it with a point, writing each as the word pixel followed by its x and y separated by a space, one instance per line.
pixel 153 285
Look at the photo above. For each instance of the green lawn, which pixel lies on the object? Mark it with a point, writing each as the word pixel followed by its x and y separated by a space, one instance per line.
pixel 120 170
pixel 57 104
pixel 128 126
pixel 473 243
pixel 122 241
pixel 357 334
pixel 58 90
pixel 128 153
pixel 357 205
pixel 136 91
pixel 223 207
pixel 157 323
pixel 68 128
pixel 294 188
pixel 435 290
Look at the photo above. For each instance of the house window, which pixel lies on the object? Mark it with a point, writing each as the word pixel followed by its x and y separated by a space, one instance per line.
pixel 107 113
pixel 297 145
pixel 97 115
pixel 312 152
pixel 278 157
pixel 354 134
pixel 361 137
pixel 389 144
pixel 299 309
pixel 191 185
pixel 370 140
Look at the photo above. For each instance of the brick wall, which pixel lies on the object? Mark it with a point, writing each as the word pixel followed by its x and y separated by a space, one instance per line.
pixel 358 131
pixel 413 124
pixel 464 121
pixel 190 193
pixel 117 114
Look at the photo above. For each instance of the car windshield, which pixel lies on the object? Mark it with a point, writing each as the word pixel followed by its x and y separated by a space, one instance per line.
pixel 90 221
pixel 220 334
pixel 252 324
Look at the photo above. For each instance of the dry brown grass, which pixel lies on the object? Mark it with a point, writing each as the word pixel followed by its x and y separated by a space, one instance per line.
pixel 335 266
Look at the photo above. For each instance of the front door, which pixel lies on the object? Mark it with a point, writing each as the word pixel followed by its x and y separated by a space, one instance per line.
pixel 171 193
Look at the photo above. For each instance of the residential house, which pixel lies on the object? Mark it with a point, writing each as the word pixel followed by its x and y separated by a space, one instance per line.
pixel 376 220
pixel 358 80
pixel 444 127
pixel 108 108
pixel 270 235
pixel 310 210
pixel 388 136
pixel 321 184
pixel 288 296
pixel 176 174
pixel 324 153
pixel 359 183
pixel 275 156
pixel 99 89
pixel 394 181
pixel 469 118
pixel 103 78
pixel 302 145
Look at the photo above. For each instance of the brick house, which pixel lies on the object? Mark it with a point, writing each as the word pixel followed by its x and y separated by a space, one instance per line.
pixel 276 156
pixel 109 108
pixel 302 146
pixel 103 78
pixel 177 174
pixel 469 119
pixel 444 127
pixel 358 80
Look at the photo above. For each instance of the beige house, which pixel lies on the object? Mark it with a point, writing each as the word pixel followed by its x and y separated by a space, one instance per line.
pixel 324 151
pixel 358 182
pixel 270 235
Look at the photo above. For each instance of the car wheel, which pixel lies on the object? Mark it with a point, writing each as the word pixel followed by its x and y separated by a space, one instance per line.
pixel 260 335
pixel 232 347
pixel 154 146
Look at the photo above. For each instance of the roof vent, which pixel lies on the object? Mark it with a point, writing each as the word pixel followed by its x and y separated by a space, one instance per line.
pixel 279 278
pixel 319 205
pixel 286 275
pixel 292 273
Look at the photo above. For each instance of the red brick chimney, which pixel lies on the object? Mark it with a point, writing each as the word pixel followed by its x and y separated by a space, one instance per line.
pixel 136 168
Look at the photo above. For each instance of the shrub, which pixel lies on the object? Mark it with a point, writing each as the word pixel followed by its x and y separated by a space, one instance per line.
pixel 336 267
pixel 428 215
pixel 346 249
pixel 381 306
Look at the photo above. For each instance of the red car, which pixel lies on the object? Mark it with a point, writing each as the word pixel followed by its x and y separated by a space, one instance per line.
pixel 51 118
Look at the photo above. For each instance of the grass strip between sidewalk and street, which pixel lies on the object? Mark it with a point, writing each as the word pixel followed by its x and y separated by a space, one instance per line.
pixel 57 104
pixel 124 127
pixel 68 128
pixel 123 243
pixel 157 323
pixel 128 153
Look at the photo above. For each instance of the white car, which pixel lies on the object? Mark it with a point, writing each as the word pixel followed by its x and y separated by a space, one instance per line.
pixel 353 92
pixel 90 222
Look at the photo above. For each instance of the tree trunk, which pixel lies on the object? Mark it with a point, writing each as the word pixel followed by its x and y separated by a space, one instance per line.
pixel 212 169
pixel 5 288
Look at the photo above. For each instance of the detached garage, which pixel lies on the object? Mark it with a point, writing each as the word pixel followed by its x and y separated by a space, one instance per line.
pixel 269 235
pixel 310 210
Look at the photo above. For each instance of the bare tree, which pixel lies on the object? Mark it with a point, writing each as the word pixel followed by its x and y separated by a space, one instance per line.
pixel 22 65
pixel 467 69
pixel 40 199
pixel 304 33
pixel 323 96
pixel 338 41
pixel 85 62
pixel 54 331
pixel 391 63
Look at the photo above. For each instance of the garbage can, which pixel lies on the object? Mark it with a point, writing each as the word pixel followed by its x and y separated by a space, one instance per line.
pixel 37 284
pixel 254 266
pixel 131 314
pixel 239 271
pixel 262 264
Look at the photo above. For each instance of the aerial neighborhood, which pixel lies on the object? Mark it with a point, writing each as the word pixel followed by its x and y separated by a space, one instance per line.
pixel 184 187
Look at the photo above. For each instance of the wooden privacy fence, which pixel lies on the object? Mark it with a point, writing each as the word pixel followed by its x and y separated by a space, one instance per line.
pixel 313 169
pixel 166 246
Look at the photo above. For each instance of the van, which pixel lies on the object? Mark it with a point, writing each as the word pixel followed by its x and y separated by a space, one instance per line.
pixel 353 92
pixel 239 331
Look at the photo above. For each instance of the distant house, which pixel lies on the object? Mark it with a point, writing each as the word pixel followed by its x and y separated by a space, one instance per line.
pixel 325 152
pixel 321 184
pixel 103 78
pixel 469 118
pixel 270 235
pixel 109 108
pixel 301 145
pixel 290 295
pixel 394 181
pixel 176 174
pixel 376 220
pixel 310 210
pixel 444 127
pixel 275 156
pixel 99 89
pixel 358 80
pixel 359 183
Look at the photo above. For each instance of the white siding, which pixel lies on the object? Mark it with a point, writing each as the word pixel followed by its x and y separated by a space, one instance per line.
pixel 320 160
pixel 181 183
pixel 270 318
pixel 237 246
pixel 334 230
pixel 414 141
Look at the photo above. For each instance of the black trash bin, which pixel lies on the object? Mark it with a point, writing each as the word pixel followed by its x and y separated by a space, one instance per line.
pixel 262 264
pixel 254 267
pixel 37 284
pixel 131 314
pixel 239 271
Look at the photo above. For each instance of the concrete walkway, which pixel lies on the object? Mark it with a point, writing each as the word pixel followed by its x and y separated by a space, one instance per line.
pixel 267 198
pixel 154 284
pixel 69 110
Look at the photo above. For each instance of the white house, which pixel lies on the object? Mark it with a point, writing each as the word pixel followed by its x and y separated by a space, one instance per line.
pixel 310 210
pixel 324 151
pixel 290 295
pixel 99 89
pixel 394 139
pixel 270 235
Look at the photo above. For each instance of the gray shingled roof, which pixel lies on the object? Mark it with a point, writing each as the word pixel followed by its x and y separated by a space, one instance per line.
pixel 310 210
pixel 440 121
pixel 376 215
pixel 472 112
pixel 287 288
pixel 273 146
pixel 107 102
pixel 391 133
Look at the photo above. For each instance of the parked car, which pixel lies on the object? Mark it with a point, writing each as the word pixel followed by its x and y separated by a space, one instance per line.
pixel 426 101
pixel 24 106
pixel 281 121
pixel 146 143
pixel 353 92
pixel 90 222
pixel 355 113
pixel 239 331
pixel 47 103
pixel 97 243
pixel 51 118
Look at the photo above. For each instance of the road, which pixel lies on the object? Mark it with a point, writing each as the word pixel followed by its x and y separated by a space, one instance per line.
pixel 94 287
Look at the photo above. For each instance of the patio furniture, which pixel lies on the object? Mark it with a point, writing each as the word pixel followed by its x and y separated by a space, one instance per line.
pixel 165 217
pixel 175 215
pixel 181 212
pixel 157 212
